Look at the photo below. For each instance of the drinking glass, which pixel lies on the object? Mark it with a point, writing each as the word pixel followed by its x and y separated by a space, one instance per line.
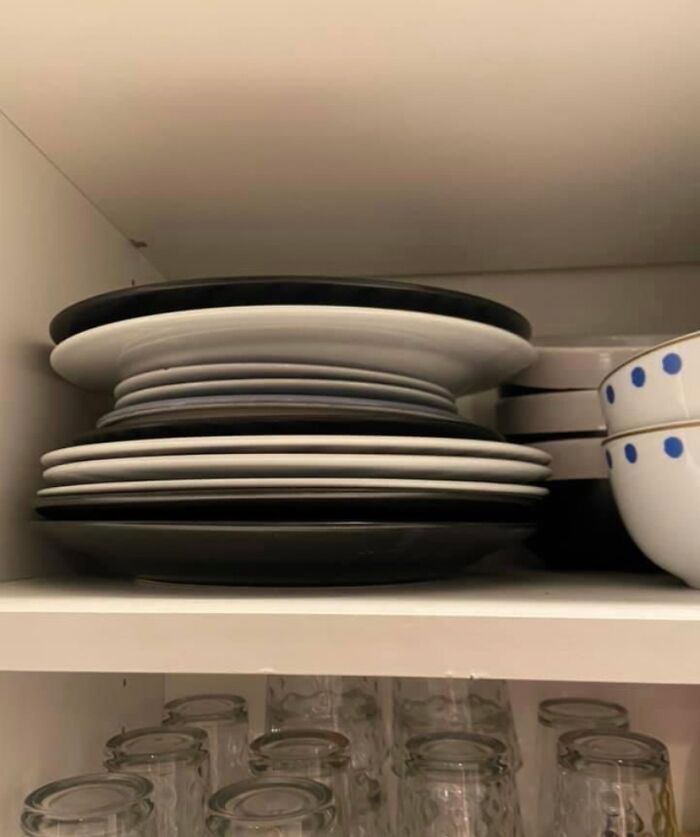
pixel 425 705
pixel 322 755
pixel 175 761
pixel 556 717
pixel 224 718
pixel 613 784
pixel 350 705
pixel 457 785
pixel 272 807
pixel 96 805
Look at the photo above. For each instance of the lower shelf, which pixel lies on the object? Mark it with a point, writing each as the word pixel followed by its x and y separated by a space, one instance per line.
pixel 534 626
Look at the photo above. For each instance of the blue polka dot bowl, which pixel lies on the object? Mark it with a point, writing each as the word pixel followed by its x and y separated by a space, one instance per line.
pixel 657 386
pixel 655 477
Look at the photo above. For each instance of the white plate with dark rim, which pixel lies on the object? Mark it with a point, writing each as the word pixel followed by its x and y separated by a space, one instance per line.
pixel 459 355
pixel 576 459
pixel 236 371
pixel 219 466
pixel 575 411
pixel 288 387
pixel 295 444
pixel 497 489
pixel 581 361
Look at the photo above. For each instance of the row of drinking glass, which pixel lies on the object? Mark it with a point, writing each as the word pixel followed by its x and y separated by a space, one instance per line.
pixel 321 768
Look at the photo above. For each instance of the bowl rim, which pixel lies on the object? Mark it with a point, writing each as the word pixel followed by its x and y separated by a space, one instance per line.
pixel 672 342
pixel 652 428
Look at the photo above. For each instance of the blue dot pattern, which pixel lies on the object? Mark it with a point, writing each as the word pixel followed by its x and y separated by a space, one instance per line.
pixel 610 394
pixel 631 453
pixel 639 376
pixel 608 458
pixel 673 447
pixel 672 363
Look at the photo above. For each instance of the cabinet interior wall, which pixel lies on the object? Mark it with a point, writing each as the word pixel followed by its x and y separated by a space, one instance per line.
pixel 58 247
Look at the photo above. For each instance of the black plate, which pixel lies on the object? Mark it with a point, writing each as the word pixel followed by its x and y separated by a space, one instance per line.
pixel 192 294
pixel 274 554
pixel 344 506
pixel 281 425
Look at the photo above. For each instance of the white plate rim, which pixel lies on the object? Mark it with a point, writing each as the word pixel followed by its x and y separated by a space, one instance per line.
pixel 293 464
pixel 330 443
pixel 456 486
pixel 285 386
pixel 313 371
pixel 433 336
pixel 176 408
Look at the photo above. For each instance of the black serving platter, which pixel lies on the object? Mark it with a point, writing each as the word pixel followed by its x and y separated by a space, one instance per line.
pixel 289 506
pixel 276 554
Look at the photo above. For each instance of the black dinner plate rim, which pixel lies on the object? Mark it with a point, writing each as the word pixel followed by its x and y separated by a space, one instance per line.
pixel 234 291
pixel 282 425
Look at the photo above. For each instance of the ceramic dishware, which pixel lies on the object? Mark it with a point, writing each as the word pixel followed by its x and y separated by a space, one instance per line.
pixel 659 386
pixel 459 355
pixel 655 475
pixel 578 411
pixel 275 443
pixel 235 465
pixel 570 362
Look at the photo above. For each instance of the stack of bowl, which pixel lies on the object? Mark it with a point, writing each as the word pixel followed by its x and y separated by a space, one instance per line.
pixel 554 405
pixel 288 431
pixel 652 410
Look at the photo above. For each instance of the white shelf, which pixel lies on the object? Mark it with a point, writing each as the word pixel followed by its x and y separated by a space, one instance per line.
pixel 613 628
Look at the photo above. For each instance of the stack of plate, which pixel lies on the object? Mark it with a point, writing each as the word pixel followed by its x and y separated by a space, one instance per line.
pixel 288 431
pixel 554 404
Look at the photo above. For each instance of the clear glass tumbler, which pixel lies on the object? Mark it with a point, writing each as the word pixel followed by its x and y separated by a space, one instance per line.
pixel 612 784
pixel 272 807
pixel 457 785
pixel 177 763
pixel 224 718
pixel 96 805
pixel 350 705
pixel 556 717
pixel 322 755
pixel 425 705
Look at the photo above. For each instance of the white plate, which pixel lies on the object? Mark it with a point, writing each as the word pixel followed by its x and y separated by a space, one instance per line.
pixel 581 362
pixel 341 483
pixel 576 459
pixel 460 355
pixel 298 444
pixel 578 411
pixel 234 371
pixel 213 466
pixel 287 386
pixel 264 405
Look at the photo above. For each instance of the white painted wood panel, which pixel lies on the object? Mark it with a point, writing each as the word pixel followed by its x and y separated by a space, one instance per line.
pixel 366 137
pixel 621 626
pixel 56 248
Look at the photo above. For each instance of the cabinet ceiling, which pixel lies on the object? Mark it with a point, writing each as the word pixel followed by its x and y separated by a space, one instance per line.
pixel 249 136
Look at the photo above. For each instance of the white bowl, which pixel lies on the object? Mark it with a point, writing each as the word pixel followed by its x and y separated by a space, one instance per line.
pixel 659 386
pixel 577 411
pixel 580 362
pixel 575 459
pixel 655 476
